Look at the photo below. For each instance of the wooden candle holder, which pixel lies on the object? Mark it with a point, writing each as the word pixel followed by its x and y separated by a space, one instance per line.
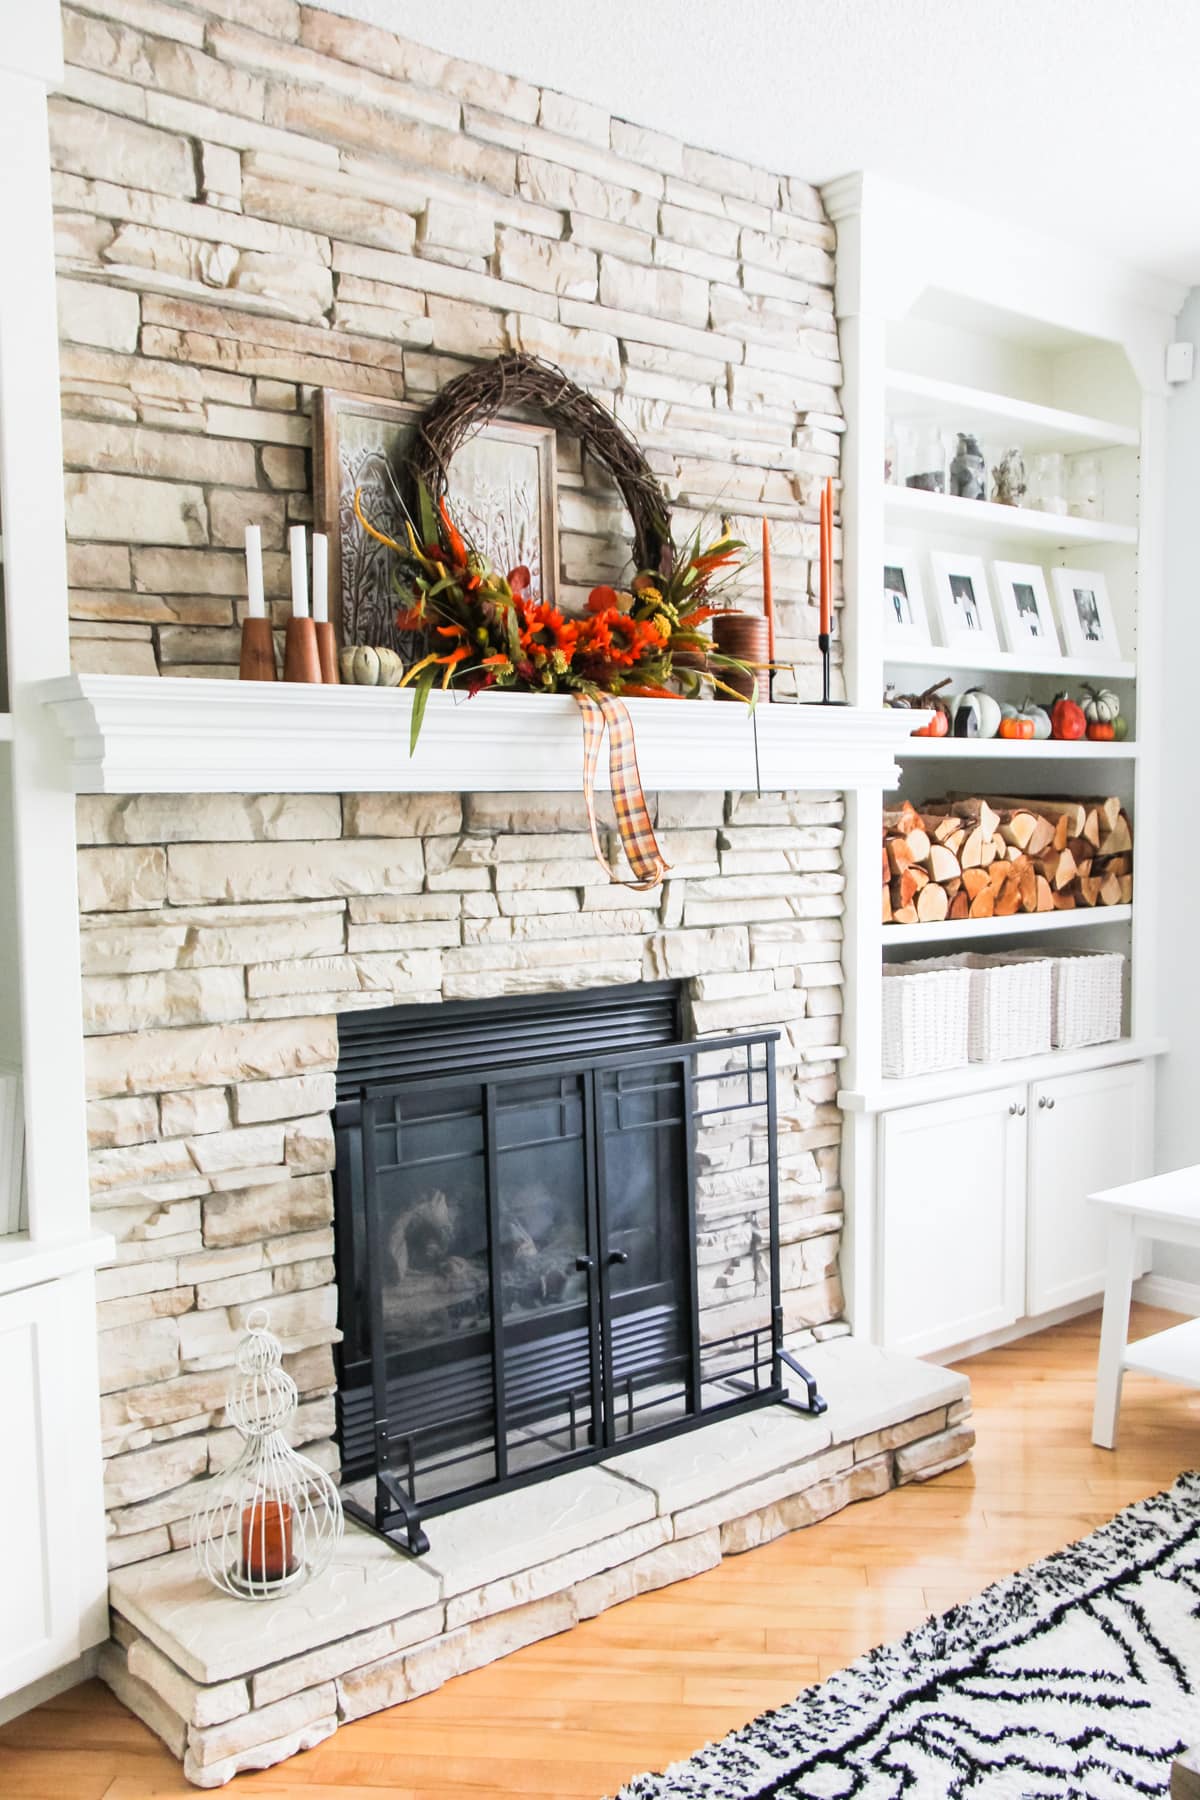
pixel 327 650
pixel 301 658
pixel 258 651
pixel 743 636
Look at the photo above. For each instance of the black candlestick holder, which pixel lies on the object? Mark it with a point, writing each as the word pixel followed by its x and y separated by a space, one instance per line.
pixel 823 645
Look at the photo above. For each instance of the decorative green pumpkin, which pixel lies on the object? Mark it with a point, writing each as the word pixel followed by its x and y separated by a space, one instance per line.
pixel 1101 706
pixel 366 665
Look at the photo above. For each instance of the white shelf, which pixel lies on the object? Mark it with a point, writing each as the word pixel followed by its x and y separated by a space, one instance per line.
pixel 25 1261
pixel 981 1078
pixel 950 931
pixel 1174 1355
pixel 1015 750
pixel 134 734
pixel 1035 428
pixel 1003 662
pixel 981 518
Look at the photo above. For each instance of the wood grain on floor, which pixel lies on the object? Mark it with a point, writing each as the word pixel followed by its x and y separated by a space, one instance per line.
pixel 650 1681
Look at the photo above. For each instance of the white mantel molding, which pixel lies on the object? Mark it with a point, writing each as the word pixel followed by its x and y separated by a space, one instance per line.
pixel 137 735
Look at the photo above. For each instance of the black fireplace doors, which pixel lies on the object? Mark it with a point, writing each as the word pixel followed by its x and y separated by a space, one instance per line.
pixel 545 1258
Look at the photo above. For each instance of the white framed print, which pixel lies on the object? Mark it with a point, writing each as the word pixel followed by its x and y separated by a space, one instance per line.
pixel 964 606
pixel 1026 621
pixel 1085 614
pixel 905 620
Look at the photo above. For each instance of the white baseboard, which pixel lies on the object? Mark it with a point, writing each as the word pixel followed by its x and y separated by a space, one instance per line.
pixel 69 1676
pixel 1008 1334
pixel 1166 1291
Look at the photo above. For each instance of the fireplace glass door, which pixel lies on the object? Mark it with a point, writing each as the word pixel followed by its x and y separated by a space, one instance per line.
pixel 530 1239
pixel 548 1254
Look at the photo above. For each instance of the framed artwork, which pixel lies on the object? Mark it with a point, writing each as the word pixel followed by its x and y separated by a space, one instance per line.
pixel 1085 614
pixel 905 620
pixel 1026 621
pixel 502 493
pixel 964 605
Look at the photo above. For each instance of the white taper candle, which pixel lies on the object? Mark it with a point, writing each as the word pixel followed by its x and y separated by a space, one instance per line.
pixel 299 572
pixel 254 572
pixel 320 577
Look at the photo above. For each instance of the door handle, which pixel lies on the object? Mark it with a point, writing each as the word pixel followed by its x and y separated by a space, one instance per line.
pixel 617 1256
pixel 585 1264
pixel 1017 1109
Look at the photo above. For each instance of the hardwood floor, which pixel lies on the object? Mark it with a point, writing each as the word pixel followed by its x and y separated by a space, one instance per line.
pixel 573 1717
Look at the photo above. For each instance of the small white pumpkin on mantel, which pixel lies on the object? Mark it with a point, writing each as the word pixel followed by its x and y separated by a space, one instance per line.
pixel 370 665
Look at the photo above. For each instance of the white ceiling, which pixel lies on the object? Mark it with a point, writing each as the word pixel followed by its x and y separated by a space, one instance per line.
pixel 1075 116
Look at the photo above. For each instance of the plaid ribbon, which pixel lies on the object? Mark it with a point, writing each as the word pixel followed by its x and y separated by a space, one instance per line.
pixel 633 818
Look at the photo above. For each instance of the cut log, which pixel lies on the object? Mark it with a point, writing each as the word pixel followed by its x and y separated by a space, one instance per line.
pixel 1064 903
pixel 943 864
pixel 1110 812
pixel 1091 828
pixel 952 886
pixel 971 854
pixel 1045 895
pixel 904 889
pixel 1118 840
pixel 974 881
pixel 918 843
pixel 1066 872
pixel 987 854
pixel 887 905
pixel 983 905
pixel 899 856
pixel 960 906
pixel 932 904
pixel 1110 890
pixel 903 819
pixel 1089 889
pixel 946 827
pixel 907 915
pixel 998 875
pixel 1126 882
pixel 1008 901
pixel 1027 887
pixel 1043 837
pixel 1063 830
pixel 956 840
pixel 1018 829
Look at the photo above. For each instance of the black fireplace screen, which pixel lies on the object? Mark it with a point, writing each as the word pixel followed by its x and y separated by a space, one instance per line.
pixel 557 1236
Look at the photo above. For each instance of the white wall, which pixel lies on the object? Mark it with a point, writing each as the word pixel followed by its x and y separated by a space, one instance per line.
pixel 1178 1134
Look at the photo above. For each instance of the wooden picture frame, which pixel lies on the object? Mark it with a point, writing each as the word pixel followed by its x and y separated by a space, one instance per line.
pixel 964 603
pixel 502 493
pixel 1026 618
pixel 905 619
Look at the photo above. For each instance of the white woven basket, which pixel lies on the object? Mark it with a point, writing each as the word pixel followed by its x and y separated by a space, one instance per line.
pixel 925 1018
pixel 1086 998
pixel 1010 1003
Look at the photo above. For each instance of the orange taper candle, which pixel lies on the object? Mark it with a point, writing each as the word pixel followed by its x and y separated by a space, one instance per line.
pixel 768 598
pixel 826 557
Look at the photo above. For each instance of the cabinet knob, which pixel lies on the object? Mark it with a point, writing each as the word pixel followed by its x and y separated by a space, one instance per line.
pixel 618 1256
pixel 1017 1109
pixel 585 1264
pixel 1046 1100
pixel 1049 1105
pixel 1042 1102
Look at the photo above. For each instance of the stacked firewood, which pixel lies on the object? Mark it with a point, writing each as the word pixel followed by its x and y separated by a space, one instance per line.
pixel 970 858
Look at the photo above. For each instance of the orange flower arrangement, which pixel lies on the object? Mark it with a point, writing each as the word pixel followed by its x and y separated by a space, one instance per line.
pixel 484 629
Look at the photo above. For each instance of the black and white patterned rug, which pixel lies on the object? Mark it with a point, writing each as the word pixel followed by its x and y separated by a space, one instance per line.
pixel 1077 1678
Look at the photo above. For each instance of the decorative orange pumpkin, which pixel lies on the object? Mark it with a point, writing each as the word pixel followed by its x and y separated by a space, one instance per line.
pixel 1016 727
pixel 1100 731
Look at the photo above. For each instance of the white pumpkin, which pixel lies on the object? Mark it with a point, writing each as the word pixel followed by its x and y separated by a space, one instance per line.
pixel 1101 706
pixel 370 665
pixel 975 715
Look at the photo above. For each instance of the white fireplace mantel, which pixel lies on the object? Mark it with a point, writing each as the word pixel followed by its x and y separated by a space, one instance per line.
pixel 133 734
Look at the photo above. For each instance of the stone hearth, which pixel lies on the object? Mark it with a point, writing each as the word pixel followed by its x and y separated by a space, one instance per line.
pixel 229 1686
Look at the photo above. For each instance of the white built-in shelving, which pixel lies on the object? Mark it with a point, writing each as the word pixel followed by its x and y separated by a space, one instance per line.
pixel 968 931
pixel 951 321
pixel 955 518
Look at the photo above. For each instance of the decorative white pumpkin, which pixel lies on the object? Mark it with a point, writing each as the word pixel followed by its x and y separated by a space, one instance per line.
pixel 975 715
pixel 1101 706
pixel 370 665
pixel 1042 724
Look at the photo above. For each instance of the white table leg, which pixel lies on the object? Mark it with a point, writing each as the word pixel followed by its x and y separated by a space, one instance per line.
pixel 1114 1331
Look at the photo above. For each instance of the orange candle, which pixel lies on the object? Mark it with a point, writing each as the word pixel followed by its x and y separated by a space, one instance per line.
pixel 826 558
pixel 266 1540
pixel 768 599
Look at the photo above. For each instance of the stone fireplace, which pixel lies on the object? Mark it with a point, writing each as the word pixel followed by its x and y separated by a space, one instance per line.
pixel 245 958
pixel 226 938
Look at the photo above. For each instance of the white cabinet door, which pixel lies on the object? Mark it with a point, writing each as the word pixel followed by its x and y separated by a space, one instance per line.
pixel 1086 1132
pixel 952 1203
pixel 42 1548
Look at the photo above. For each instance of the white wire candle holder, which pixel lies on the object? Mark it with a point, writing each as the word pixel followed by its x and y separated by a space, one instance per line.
pixel 274 1519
